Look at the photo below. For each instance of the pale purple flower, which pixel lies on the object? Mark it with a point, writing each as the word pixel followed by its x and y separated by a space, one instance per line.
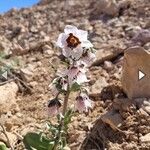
pixel 88 58
pixel 80 78
pixel 72 42
pixel 76 73
pixel 83 103
pixel 58 84
pixel 53 107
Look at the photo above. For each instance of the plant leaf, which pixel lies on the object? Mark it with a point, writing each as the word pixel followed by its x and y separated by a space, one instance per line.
pixel 75 87
pixel 37 141
pixel 3 147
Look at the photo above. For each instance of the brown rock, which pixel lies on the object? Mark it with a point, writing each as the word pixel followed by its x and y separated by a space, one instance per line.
pixel 112 118
pixel 27 73
pixel 111 8
pixel 135 59
pixel 122 104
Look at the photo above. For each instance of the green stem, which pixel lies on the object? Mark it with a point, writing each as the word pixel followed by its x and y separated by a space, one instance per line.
pixel 62 121
pixel 66 101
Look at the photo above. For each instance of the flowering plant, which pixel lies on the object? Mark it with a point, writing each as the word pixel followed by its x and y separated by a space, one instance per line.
pixel 79 54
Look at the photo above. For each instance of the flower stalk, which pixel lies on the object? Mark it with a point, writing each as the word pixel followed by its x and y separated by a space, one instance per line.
pixel 66 100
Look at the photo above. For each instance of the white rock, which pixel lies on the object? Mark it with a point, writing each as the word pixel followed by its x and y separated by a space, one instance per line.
pixel 27 73
pixel 98 86
pixel 108 65
pixel 8 93
pixel 145 138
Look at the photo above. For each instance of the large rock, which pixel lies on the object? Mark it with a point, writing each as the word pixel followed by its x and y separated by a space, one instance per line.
pixel 136 59
pixel 145 138
pixel 8 94
pixel 113 119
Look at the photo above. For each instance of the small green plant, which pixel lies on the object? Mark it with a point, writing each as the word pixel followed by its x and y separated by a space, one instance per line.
pixel 79 54
pixel 7 66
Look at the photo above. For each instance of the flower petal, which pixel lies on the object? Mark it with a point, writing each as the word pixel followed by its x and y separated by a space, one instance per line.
pixel 86 44
pixel 52 111
pixel 72 72
pixel 89 58
pixel 80 106
pixel 61 42
pixel 70 29
pixel 82 35
pixel 77 52
pixel 81 78
pixel 66 52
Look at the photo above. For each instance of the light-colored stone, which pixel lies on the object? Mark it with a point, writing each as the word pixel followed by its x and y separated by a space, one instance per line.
pixel 27 73
pixel 145 138
pixel 12 138
pixel 111 8
pixel 142 37
pixel 108 65
pixel 135 59
pixel 147 109
pixel 98 86
pixel 8 94
pixel 112 118
pixel 103 55
pixel 5 45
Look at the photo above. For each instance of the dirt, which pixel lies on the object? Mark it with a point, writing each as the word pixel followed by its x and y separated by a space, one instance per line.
pixel 34 32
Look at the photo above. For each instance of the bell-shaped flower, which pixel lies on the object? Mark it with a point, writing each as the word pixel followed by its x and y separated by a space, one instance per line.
pixel 72 42
pixel 76 73
pixel 88 58
pixel 53 107
pixel 83 103
pixel 58 85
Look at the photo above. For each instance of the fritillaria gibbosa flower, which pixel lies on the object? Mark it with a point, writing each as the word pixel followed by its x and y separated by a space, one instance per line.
pixel 79 54
pixel 76 73
pixel 53 107
pixel 72 42
pixel 88 57
pixel 58 85
pixel 83 103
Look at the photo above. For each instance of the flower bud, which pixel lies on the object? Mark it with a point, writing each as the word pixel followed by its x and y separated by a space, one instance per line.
pixel 53 107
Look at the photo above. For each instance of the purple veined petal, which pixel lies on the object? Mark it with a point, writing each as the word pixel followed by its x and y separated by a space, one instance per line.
pixel 53 111
pixel 89 58
pixel 80 106
pixel 82 35
pixel 70 29
pixel 82 66
pixel 81 78
pixel 86 44
pixel 61 42
pixel 83 103
pixel 53 107
pixel 77 52
pixel 72 72
pixel 66 52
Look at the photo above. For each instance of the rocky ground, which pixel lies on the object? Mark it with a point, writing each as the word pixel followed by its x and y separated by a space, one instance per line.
pixel 27 40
